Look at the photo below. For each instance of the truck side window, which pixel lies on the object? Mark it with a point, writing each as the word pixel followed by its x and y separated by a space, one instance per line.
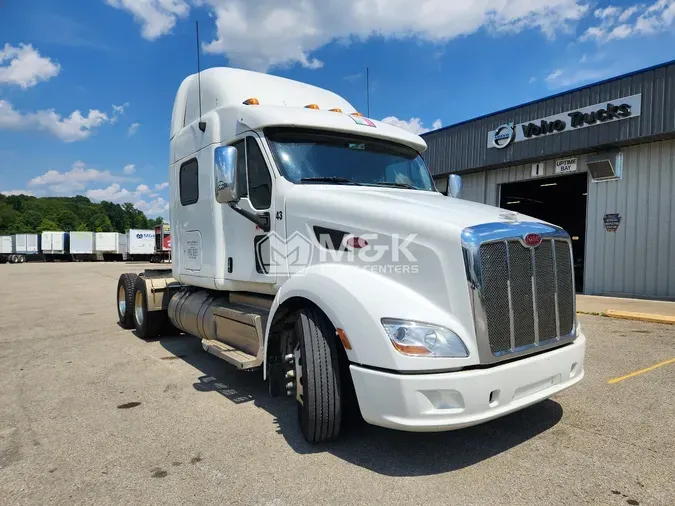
pixel 189 182
pixel 259 180
pixel 242 188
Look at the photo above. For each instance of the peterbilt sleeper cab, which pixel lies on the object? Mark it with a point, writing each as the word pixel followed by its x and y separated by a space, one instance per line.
pixel 310 242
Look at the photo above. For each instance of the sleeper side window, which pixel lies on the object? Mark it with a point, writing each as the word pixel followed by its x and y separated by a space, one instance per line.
pixel 259 180
pixel 189 182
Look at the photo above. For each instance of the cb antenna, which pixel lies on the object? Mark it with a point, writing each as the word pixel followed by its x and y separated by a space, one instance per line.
pixel 368 92
pixel 202 124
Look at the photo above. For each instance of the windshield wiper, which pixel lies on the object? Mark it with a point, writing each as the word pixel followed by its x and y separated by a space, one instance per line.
pixel 328 179
pixel 397 185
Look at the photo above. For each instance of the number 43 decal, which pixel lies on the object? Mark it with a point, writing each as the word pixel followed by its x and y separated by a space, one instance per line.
pixel 280 215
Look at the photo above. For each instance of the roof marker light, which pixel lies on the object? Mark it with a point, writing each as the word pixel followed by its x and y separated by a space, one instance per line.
pixel 357 114
pixel 311 106
pixel 336 109
pixel 252 101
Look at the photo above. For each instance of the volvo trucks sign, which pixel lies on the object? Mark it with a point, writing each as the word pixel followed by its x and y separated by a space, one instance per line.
pixel 605 112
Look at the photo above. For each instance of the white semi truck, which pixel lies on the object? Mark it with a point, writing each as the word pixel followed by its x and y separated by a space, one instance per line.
pixel 310 242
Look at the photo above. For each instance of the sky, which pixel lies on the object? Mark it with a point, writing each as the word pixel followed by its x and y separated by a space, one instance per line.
pixel 87 86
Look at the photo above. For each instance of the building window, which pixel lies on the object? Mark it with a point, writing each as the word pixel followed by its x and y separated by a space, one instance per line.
pixel 189 182
pixel 259 180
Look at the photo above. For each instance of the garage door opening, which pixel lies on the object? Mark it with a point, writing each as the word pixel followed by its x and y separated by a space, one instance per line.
pixel 558 200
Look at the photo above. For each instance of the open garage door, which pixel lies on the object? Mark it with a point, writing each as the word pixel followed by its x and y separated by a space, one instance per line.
pixel 560 201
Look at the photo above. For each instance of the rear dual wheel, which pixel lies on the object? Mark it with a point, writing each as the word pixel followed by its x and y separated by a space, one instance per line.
pixel 125 300
pixel 148 324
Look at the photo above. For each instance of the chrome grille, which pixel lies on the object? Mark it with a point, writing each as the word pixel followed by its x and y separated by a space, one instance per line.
pixel 523 298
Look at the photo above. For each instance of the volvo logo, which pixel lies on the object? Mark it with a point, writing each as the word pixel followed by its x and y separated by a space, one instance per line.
pixel 503 135
pixel 533 240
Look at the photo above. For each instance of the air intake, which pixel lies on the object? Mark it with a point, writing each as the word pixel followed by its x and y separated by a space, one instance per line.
pixel 605 166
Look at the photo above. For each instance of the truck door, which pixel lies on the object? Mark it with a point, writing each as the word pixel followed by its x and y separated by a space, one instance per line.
pixel 247 244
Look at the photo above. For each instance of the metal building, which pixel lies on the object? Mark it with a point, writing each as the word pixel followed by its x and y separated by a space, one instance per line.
pixel 598 160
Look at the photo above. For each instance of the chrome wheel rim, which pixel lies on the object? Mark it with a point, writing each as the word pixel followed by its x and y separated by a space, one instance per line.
pixel 122 300
pixel 297 362
pixel 138 308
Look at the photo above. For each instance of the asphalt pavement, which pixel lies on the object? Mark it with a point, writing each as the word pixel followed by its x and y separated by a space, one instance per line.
pixel 91 414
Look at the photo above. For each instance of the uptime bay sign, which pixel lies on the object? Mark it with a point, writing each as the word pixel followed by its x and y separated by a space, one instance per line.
pixel 613 110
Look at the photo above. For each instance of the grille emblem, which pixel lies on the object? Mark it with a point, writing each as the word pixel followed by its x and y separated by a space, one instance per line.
pixel 533 240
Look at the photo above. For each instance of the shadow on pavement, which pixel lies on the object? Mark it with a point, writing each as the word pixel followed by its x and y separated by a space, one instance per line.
pixel 383 451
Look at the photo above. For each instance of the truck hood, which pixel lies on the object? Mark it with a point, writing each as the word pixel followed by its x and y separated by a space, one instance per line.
pixel 409 207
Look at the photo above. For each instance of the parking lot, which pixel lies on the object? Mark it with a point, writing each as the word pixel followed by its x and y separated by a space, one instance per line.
pixel 91 414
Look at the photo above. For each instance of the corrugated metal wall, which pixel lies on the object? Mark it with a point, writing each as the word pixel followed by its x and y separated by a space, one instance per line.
pixel 463 147
pixel 639 258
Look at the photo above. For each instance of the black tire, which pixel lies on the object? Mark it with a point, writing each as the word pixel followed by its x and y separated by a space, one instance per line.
pixel 12 259
pixel 22 259
pixel 127 283
pixel 320 413
pixel 153 321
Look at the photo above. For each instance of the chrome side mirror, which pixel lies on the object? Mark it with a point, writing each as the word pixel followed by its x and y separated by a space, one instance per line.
pixel 225 166
pixel 455 186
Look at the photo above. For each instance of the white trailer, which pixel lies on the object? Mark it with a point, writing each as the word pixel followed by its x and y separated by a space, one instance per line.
pixel 82 245
pixel 140 244
pixel 310 243
pixel 54 245
pixel 112 245
pixel 23 247
pixel 6 249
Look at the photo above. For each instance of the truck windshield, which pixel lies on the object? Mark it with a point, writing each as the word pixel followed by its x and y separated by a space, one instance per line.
pixel 311 157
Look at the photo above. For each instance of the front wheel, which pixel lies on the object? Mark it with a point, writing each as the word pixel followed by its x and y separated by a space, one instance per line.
pixel 317 377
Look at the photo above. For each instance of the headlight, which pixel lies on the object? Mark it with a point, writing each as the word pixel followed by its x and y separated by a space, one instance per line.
pixel 423 340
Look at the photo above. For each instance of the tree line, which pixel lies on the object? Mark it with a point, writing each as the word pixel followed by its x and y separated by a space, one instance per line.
pixel 23 214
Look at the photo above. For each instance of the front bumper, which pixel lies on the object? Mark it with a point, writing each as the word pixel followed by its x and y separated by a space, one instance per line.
pixel 453 400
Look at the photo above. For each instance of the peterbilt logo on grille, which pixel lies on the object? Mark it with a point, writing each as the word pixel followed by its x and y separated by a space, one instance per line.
pixel 532 240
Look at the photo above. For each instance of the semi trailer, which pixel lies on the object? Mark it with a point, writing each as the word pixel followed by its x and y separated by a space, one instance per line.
pixel 310 243
pixel 140 244
pixel 82 246
pixel 55 246
pixel 162 243
pixel 19 247
pixel 110 246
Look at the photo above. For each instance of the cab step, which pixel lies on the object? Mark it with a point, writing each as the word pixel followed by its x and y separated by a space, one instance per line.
pixel 238 358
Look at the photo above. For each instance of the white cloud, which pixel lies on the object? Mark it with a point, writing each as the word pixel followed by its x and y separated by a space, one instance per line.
pixel 651 19
pixel 73 180
pixel 115 193
pixel 607 12
pixel 532 80
pixel 129 169
pixel 161 186
pixel 262 34
pixel 352 78
pixel 22 65
pixel 10 193
pixel 133 128
pixel 628 13
pixel 75 127
pixel 117 111
pixel 554 75
pixel 154 207
pixel 413 125
pixel 575 76
pixel 157 17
